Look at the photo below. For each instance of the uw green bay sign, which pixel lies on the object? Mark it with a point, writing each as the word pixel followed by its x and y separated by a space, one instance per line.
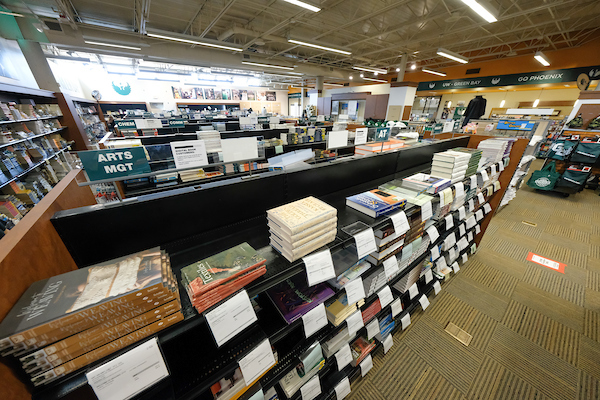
pixel 528 78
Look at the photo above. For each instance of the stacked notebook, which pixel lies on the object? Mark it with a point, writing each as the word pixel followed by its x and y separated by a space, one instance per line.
pixel 339 310
pixel 473 164
pixel 376 202
pixel 300 227
pixel 426 183
pixel 213 279
pixel 451 165
pixel 69 321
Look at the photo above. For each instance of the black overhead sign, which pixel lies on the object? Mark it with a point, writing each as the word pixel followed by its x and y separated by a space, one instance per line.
pixel 528 78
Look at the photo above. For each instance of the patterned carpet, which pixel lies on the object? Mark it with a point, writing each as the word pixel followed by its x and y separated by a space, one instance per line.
pixel 536 332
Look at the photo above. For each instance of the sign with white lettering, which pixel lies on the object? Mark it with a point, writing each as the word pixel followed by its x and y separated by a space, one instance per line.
pixel 114 163
pixel 126 124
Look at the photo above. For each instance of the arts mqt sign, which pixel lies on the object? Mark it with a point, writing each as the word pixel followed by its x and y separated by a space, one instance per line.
pixel 528 78
pixel 112 164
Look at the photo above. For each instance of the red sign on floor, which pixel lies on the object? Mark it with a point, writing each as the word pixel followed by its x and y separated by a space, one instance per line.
pixel 546 262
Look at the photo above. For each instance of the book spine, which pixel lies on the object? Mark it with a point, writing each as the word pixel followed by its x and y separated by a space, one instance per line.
pixel 326 225
pixel 306 224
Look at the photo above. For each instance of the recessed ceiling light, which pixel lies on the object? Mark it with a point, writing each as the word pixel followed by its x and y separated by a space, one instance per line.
pixel 368 69
pixel 318 46
pixel 303 5
pixel 375 73
pixel 452 55
pixel 431 71
pixel 414 66
pixel 541 58
pixel 350 77
pixel 267 65
pixel 397 69
pixel 362 75
pixel 479 9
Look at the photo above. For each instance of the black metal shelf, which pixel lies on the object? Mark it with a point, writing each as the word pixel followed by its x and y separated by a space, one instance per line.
pixel 34 167
pixel 32 137
pixel 29 120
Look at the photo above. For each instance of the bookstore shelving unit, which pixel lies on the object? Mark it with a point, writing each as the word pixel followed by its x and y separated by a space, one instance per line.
pixel 210 219
pixel 86 125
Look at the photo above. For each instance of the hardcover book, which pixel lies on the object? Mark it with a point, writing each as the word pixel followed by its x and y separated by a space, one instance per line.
pixel 375 202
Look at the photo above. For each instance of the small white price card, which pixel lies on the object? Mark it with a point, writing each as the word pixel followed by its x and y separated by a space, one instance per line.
pixel 455 266
pixel 463 243
pixel 343 357
pixel 311 389
pixel 462 230
pixel 426 211
pixel 255 363
pixel 366 365
pixel 477 229
pixel 365 243
pixel 342 389
pixel 441 264
pixel 400 222
pixel 437 287
pixel 465 258
pixel 435 253
pixel 433 233
pixel 355 290
pixel 372 328
pixel 130 373
pixel 405 321
pixel 396 307
pixel 354 322
pixel 388 343
pixel 413 291
pixel 487 208
pixel 385 296
pixel 428 276
pixel 500 166
pixel 459 189
pixel 471 204
pixel 424 302
pixel 314 320
pixel 319 267
pixel 461 213
pixel 479 215
pixel 473 181
pixel 231 317
pixel 480 198
pixel 470 236
pixel 470 222
pixel 493 167
pixel 449 221
pixel 484 175
pixel 390 267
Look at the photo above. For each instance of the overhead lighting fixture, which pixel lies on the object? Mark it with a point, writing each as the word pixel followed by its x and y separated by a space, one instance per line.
pixel 413 67
pixel 479 9
pixel 267 65
pixel 431 71
pixel 350 77
pixel 176 39
pixel 452 55
pixel 333 84
pixel 375 73
pixel 502 103
pixel 316 46
pixel 541 58
pixel 112 45
pixel 397 69
pixel 11 13
pixel 449 104
pixel 303 5
pixel 375 80
pixel 373 70
pixel 362 75
pixel 536 102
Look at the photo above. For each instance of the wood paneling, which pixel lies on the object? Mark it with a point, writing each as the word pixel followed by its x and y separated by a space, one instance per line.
pixel 549 103
pixel 381 103
pixel 406 113
pixel 75 130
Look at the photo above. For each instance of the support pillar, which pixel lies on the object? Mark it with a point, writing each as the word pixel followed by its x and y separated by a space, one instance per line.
pixel 39 65
pixel 402 96
pixel 403 61
pixel 320 85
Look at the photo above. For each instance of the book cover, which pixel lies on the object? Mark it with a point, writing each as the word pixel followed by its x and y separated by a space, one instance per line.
pixel 369 204
pixel 301 214
pixel 294 298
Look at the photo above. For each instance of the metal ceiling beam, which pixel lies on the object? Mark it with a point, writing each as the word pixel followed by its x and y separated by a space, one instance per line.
pixel 141 10
pixel 217 18
pixel 189 25
pixel 68 12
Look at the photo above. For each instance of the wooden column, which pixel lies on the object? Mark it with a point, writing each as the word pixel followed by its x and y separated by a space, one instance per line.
pixel 75 130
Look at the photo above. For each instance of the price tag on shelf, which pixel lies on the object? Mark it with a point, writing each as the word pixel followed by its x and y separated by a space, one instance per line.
pixel 365 243
pixel 473 181
pixel 366 365
pixel 450 240
pixel 471 204
pixel 319 267
pixel 477 229
pixel 449 221
pixel 311 389
pixel 259 395
pixel 470 236
pixel 435 253
pixel 372 328
pixel 462 213
pixel 437 287
pixel 470 222
pixel 441 264
pixel 487 208
pixel 385 296
pixel 452 254
pixel 396 307
pixel 400 222
pixel 130 373
pixel 390 267
pixel 479 215
pixel 500 166
pixel 463 243
pixel 405 321
pixel 355 291
pixel 480 198
pixel 342 389
pixel 455 267
pixel 433 233
pixel 426 211
pixel 465 258
pixel 424 302
pixel 354 323
pixel 314 320
pixel 459 189
pixel 231 317
pixel 428 276
pixel 255 363
pixel 484 175
pixel 462 230
pixel 413 291
pixel 343 357
pixel 388 343
pixel 493 167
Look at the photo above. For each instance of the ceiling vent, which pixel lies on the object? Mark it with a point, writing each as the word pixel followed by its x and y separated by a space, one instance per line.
pixel 53 26
pixel 473 71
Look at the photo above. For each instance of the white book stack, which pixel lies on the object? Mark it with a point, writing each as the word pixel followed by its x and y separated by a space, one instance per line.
pixel 492 150
pixel 212 140
pixel 450 165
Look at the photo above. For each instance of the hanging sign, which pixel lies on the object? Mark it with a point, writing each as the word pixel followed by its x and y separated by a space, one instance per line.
pixel 114 163
pixel 515 125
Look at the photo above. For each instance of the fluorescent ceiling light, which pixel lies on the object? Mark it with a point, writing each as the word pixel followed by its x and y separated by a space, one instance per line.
pixel 536 102
pixel 303 4
pixel 430 71
pixel 112 45
pixel 374 70
pixel 502 103
pixel 193 42
pixel 452 55
pixel 11 13
pixel 316 46
pixel 450 104
pixel 267 65
pixel 479 9
pixel 333 84
pixel 375 80
pixel 541 57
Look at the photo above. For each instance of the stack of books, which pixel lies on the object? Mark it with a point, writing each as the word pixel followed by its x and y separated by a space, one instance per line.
pixel 408 280
pixel 376 202
pixel 474 161
pixel 213 279
pixel 69 321
pixel 293 297
pixel 451 165
pixel 300 227
pixel 493 150
pixel 212 140
pixel 426 183
pixel 311 362
pixel 378 147
pixel 375 281
pixel 197 174
pixel 386 325
pixel 412 196
pixel 335 343
pixel 360 348
pixel 339 310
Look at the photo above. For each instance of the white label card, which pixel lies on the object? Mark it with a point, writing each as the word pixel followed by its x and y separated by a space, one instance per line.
pixel 396 307
pixel 461 213
pixel 400 222
pixel 470 222
pixel 130 373
pixel 470 236
pixel 343 357
pixel 342 389
pixel 493 167
pixel 372 328
pixel 471 205
pixel 487 208
pixel 433 233
pixel 484 175
pixel 255 363
pixel 413 291
pixel 319 267
pixel 426 211
pixel 365 243
pixel 388 343
pixel 441 264
pixel 405 321
pixel 355 290
pixel 477 229
pixel 260 395
pixel 459 189
pixel 314 320
pixel 390 266
pixel 428 276
pixel 455 266
pixel 480 198
pixel 231 317
pixel 366 365
pixel 473 181
pixel 462 230
pixel 465 258
pixel 354 322
pixel 361 136
pixel 424 302
pixel 189 153
pixel 501 166
pixel 435 253
pixel 385 296
pixel 449 221
pixel 407 251
pixel 437 287
pixel 311 389
pixel 479 215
